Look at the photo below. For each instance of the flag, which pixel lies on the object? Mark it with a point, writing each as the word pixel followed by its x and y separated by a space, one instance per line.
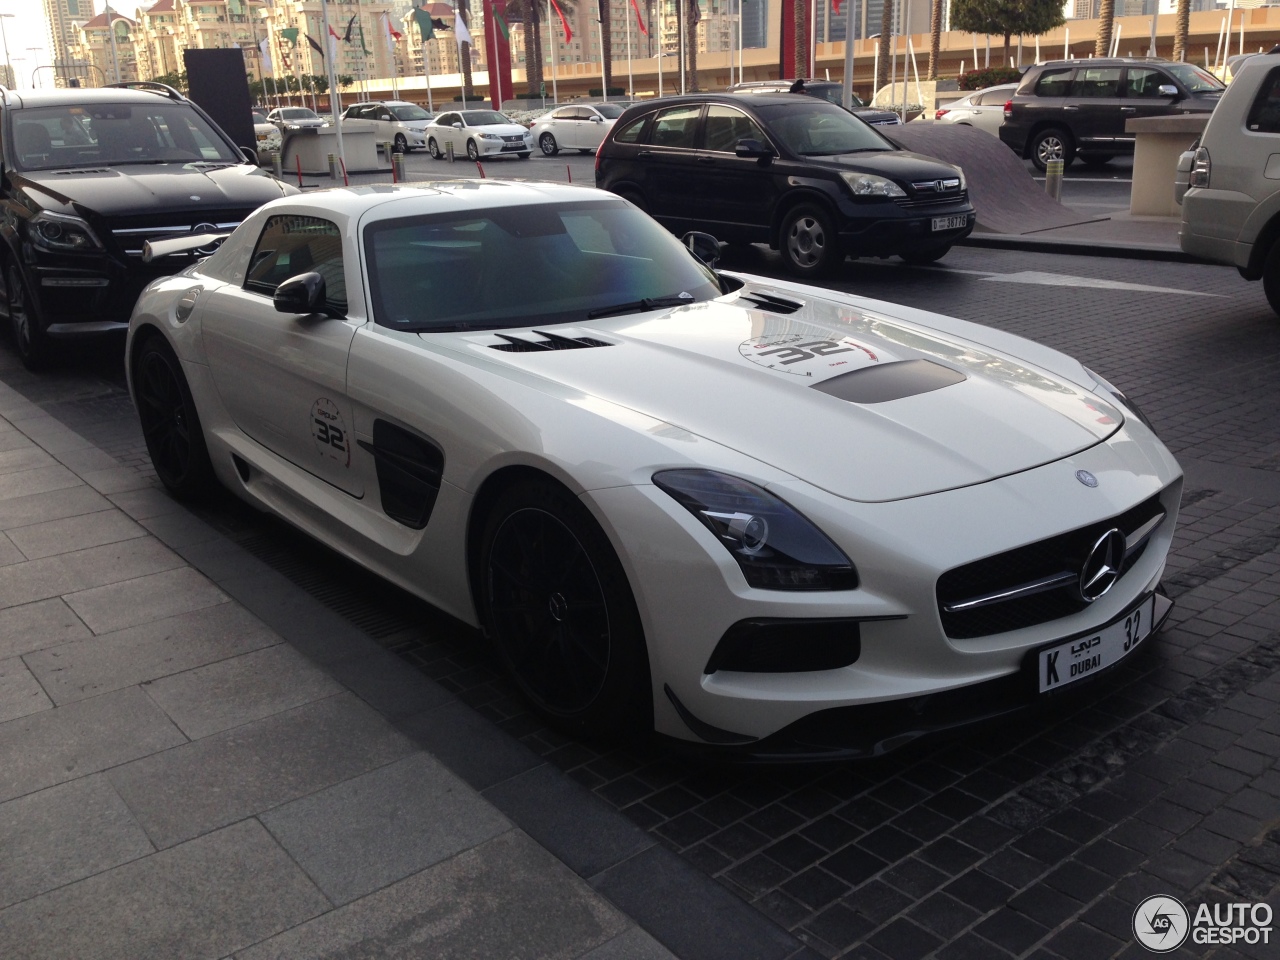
pixel 460 31
pixel 333 42
pixel 502 25
pixel 319 49
pixel 291 34
pixel 264 49
pixel 392 32
pixel 346 38
pixel 835 7
pixel 568 34
pixel 640 22
pixel 426 26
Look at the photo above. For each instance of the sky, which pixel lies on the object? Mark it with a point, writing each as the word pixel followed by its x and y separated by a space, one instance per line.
pixel 27 28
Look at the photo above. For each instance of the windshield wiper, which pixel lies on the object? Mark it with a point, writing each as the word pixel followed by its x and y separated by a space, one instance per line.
pixel 639 306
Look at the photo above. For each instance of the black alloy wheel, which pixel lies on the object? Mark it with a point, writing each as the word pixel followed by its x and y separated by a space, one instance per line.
pixel 548 144
pixel 433 148
pixel 29 338
pixel 170 423
pixel 556 604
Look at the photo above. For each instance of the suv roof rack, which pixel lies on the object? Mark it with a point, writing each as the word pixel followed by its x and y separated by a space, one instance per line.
pixel 151 85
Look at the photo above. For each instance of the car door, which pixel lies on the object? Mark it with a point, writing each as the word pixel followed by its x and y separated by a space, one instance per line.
pixel 445 132
pixel 1095 99
pixel 670 159
pixel 561 125
pixel 735 196
pixel 357 120
pixel 1142 96
pixel 282 377
pixel 593 128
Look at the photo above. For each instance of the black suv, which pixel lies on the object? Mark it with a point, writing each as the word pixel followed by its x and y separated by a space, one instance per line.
pixel 86 177
pixel 827 90
pixel 797 173
pixel 1068 108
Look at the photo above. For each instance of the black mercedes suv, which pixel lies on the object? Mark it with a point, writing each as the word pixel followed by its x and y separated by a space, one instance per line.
pixel 86 177
pixel 1068 108
pixel 798 173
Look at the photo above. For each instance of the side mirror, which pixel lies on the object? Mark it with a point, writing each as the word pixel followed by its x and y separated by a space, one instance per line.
pixel 703 246
pixel 250 154
pixel 458 125
pixel 595 118
pixel 1167 90
pixel 753 149
pixel 303 294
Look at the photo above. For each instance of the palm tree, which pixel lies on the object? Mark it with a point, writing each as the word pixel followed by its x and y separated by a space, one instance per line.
pixel 1106 19
pixel 935 38
pixel 691 39
pixel 801 36
pixel 886 28
pixel 1180 30
pixel 464 51
pixel 531 13
pixel 606 45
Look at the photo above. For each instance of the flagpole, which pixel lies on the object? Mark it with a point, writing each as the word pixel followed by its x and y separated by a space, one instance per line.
pixel 631 84
pixel 494 77
pixel 457 15
pixel 600 36
pixel 331 73
pixel 680 18
pixel 426 70
pixel 661 40
pixel 551 32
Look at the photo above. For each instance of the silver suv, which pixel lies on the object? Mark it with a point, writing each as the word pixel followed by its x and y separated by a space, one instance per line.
pixel 392 121
pixel 1231 210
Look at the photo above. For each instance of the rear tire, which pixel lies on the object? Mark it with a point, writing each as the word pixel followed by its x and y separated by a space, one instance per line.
pixel 29 338
pixel 1271 277
pixel 808 242
pixel 1095 160
pixel 555 603
pixel 170 422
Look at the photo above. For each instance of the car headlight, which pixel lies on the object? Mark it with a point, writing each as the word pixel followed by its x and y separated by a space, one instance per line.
pixel 869 185
pixel 490 136
pixel 292 126
pixel 1116 396
pixel 61 233
pixel 776 547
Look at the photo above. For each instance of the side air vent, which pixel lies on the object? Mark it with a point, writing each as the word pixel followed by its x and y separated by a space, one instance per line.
pixel 767 301
pixel 553 341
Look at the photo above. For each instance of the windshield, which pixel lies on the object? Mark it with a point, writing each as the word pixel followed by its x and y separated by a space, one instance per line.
pixel 833 94
pixel 815 128
pixel 453 271
pixel 298 113
pixel 610 111
pixel 114 134
pixel 1195 79
pixel 482 118
pixel 409 112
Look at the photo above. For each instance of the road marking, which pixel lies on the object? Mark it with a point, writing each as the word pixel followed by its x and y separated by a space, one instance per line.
pixel 1043 279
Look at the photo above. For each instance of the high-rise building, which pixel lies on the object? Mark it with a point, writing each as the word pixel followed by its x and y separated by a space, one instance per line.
pixel 64 18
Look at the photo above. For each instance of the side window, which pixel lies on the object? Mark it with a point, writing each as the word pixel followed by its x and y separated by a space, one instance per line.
pixel 567 113
pixel 1095 82
pixel 1264 115
pixel 448 120
pixel 291 245
pixel 725 126
pixel 1144 82
pixel 1054 83
pixel 631 132
pixel 675 127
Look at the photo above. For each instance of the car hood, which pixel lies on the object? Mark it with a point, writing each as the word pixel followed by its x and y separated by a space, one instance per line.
pixel 806 392
pixel 901 165
pixel 501 129
pixel 111 191
pixel 875 115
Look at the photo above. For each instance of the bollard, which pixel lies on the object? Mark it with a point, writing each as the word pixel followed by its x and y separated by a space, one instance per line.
pixel 334 172
pixel 1053 178
pixel 397 167
pixel 277 166
pixel 385 147
pixel 448 151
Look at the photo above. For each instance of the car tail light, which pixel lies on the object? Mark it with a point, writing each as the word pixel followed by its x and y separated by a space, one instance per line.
pixel 941 112
pixel 1008 109
pixel 1201 166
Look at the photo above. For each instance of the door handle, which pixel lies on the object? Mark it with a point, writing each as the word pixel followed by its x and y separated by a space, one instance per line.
pixel 1070 107
pixel 645 153
pixel 707 160
pixel 1128 109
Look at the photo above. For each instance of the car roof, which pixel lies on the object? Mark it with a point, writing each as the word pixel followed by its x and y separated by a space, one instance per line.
pixel 754 100
pixel 85 96
pixel 1103 62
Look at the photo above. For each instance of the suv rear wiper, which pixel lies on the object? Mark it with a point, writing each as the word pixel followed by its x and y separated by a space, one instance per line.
pixel 638 306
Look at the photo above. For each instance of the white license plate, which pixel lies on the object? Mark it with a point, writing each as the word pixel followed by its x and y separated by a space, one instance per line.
pixel 950 223
pixel 1073 660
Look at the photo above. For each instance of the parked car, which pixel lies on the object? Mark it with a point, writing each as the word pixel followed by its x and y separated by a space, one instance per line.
pixel 578 126
pixel 266 134
pixel 823 90
pixel 1068 108
pixel 398 122
pixel 797 173
pixel 295 118
pixel 1231 207
pixel 89 175
pixel 983 109
pixel 481 133
pixel 749 515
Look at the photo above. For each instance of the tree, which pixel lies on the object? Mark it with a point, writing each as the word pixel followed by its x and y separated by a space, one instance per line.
pixel 1181 27
pixel 1006 18
pixel 935 38
pixel 691 42
pixel 531 13
pixel 1106 21
pixel 886 31
pixel 606 45
pixel 464 50
pixel 800 33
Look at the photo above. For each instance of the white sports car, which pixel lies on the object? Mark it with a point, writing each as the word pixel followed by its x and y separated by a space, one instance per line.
pixel 742 512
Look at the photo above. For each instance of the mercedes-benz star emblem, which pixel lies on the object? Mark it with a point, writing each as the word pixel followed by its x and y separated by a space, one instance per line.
pixel 1087 478
pixel 1102 567
pixel 200 228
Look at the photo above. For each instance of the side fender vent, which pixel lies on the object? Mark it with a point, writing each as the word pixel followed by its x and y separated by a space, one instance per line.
pixel 553 341
pixel 767 301
pixel 409 471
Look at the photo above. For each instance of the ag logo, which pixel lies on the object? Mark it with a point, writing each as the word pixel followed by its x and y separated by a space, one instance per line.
pixel 1161 924
pixel 329 432
pixel 804 356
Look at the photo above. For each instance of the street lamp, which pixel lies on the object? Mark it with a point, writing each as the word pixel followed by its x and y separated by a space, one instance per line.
pixel 7 62
pixel 37 51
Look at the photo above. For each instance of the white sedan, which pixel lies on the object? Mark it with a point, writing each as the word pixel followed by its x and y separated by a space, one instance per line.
pixel 579 126
pixel 745 513
pixel 478 133
pixel 983 109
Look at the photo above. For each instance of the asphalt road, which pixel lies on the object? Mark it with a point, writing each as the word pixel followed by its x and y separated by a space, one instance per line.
pixel 1037 837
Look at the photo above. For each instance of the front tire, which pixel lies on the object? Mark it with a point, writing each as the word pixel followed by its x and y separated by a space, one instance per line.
pixel 433 148
pixel 402 145
pixel 808 242
pixel 1271 276
pixel 170 422
pixel 473 153
pixel 555 603
pixel 29 338
pixel 1052 143
pixel 524 156
pixel 548 145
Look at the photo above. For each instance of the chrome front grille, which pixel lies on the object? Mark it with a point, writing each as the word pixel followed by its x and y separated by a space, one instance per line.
pixel 936 200
pixel 131 239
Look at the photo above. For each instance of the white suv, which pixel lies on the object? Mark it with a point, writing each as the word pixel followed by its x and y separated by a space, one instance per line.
pixel 1231 210
pixel 392 121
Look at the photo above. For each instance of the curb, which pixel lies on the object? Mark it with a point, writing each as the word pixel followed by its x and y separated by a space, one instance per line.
pixel 1081 248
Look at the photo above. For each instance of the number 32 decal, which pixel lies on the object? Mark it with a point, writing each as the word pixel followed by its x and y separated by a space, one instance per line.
pixel 329 432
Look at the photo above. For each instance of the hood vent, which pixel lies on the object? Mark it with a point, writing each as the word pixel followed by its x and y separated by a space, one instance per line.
pixel 553 341
pixel 79 170
pixel 767 301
